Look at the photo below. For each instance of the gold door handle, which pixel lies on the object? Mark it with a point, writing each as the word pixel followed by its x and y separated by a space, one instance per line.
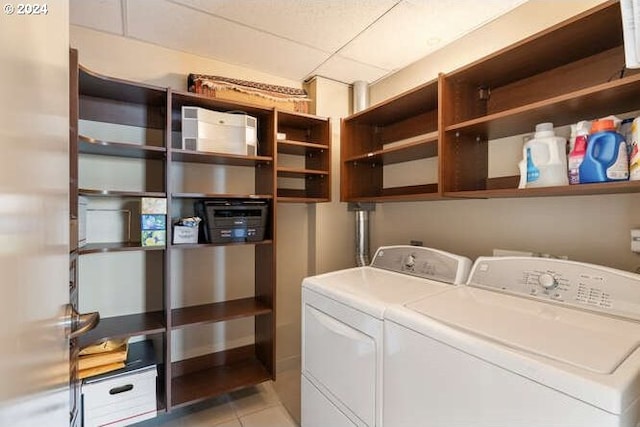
pixel 77 324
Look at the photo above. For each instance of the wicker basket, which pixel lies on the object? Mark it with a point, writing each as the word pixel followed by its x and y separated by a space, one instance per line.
pixel 262 94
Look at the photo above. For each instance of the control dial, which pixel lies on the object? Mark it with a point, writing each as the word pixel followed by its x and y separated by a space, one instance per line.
pixel 410 262
pixel 547 281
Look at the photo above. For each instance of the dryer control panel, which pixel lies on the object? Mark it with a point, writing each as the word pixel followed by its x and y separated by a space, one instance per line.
pixel 423 262
pixel 583 285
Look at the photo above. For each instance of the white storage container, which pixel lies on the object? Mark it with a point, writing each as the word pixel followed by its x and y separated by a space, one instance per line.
pixel 120 400
pixel 213 131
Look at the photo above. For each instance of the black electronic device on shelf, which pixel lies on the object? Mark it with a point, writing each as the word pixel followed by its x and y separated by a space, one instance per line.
pixel 232 220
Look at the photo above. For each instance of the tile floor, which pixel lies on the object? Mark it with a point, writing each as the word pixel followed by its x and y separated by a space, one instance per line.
pixel 253 407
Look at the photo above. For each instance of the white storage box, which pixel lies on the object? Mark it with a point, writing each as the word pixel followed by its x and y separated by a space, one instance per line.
pixel 213 131
pixel 120 400
pixel 183 234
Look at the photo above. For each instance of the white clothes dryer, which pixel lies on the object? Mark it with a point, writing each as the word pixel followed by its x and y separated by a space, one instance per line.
pixel 342 315
pixel 529 342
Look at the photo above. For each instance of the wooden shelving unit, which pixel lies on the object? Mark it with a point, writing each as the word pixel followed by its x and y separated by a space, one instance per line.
pixel 204 377
pixel 567 73
pixel 399 130
pixel 304 158
pixel 196 379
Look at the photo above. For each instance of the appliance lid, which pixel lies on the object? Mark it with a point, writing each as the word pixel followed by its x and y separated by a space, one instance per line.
pixel 588 341
pixel 397 274
pixel 371 290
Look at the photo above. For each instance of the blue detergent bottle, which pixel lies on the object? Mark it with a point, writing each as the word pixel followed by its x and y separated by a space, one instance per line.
pixel 606 158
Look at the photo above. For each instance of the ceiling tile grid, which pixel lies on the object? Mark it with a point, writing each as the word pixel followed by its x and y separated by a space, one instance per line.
pixel 344 40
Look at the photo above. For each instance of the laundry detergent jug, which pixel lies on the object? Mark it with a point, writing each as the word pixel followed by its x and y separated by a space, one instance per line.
pixel 544 159
pixel 606 158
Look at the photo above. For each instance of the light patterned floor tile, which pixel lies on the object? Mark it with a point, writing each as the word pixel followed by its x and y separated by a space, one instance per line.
pixel 233 423
pixel 254 399
pixel 275 416
pixel 209 413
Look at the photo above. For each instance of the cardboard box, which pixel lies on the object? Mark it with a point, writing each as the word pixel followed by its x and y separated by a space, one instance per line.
pixel 154 238
pixel 153 205
pixel 153 222
pixel 182 234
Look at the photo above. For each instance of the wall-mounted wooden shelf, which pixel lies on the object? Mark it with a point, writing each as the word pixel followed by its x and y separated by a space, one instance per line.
pixel 130 325
pixel 306 143
pixel 397 131
pixel 217 312
pixel 567 73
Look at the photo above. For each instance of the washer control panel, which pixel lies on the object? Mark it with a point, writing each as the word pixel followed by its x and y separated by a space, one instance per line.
pixel 573 283
pixel 423 262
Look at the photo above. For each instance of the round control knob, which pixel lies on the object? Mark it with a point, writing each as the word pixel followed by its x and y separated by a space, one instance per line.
pixel 547 281
pixel 410 261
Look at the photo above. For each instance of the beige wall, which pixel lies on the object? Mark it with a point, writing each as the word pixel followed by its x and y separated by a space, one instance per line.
pixel 143 62
pixel 585 228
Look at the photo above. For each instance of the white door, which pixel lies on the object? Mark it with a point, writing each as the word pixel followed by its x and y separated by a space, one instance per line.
pixel 34 213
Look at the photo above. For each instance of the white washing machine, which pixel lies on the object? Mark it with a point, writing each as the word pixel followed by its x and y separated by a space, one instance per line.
pixel 529 342
pixel 342 315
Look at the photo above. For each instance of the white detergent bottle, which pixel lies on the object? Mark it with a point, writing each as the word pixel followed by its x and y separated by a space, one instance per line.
pixel 544 159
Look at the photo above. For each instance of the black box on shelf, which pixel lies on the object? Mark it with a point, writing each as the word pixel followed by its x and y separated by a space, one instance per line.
pixel 232 220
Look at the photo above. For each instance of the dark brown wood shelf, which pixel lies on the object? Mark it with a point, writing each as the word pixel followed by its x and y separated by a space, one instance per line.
pixel 98 86
pixel 217 312
pixel 117 193
pixel 190 156
pixel 620 187
pixel 205 377
pixel 616 97
pixel 88 145
pixel 287 172
pixel 402 194
pixel 298 196
pixel 309 138
pixel 411 103
pixel 424 146
pixel 220 196
pixel 95 248
pixel 300 148
pixel 125 326
pixel 204 245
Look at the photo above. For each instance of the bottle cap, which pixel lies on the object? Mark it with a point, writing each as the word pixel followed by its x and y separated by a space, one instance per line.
pixel 544 129
pixel 602 125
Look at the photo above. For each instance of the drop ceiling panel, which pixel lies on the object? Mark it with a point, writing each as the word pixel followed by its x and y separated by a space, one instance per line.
pixel 326 25
pixel 186 29
pixel 416 28
pixel 345 40
pixel 102 15
pixel 348 70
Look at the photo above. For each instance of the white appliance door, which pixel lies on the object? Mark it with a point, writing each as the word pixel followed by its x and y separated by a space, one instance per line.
pixel 429 383
pixel 343 360
pixel 34 215
pixel 318 411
